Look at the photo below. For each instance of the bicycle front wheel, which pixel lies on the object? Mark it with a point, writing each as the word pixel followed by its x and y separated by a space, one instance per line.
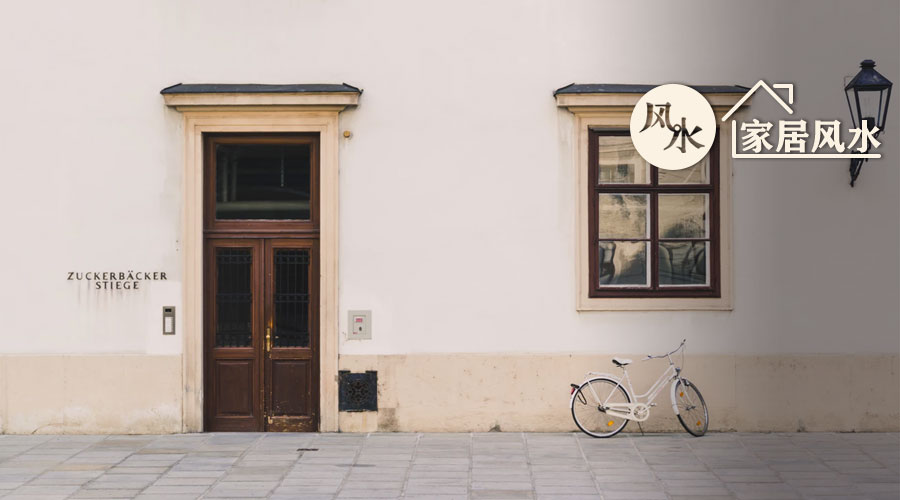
pixel 588 404
pixel 692 412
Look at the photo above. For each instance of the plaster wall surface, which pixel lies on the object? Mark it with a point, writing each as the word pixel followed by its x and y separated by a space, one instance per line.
pixel 456 209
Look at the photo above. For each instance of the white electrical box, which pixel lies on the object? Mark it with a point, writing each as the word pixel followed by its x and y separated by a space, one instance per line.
pixel 360 325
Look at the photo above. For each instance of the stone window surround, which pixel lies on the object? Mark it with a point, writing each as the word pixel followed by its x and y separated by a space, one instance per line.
pixel 612 111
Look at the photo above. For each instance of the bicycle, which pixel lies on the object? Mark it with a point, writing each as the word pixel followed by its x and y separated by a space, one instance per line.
pixel 602 405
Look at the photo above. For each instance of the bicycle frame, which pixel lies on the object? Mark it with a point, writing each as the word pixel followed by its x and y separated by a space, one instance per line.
pixel 636 409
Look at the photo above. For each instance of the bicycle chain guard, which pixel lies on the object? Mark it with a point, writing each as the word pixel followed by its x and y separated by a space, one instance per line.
pixel 630 411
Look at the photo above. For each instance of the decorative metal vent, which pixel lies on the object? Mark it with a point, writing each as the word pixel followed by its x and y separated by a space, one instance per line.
pixel 357 391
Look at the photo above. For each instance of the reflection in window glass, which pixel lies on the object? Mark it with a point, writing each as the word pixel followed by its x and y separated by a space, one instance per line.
pixel 263 181
pixel 696 174
pixel 622 216
pixel 683 216
pixel 623 263
pixel 683 263
pixel 619 163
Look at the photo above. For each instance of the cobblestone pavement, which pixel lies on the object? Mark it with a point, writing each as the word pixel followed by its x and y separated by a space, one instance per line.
pixel 451 466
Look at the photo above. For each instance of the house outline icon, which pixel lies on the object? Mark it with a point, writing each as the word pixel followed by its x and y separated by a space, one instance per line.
pixel 765 86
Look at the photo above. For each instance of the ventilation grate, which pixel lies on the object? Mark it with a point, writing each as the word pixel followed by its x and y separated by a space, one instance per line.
pixel 358 391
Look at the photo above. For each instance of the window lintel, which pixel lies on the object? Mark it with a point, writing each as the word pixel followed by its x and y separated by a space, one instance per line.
pixel 608 97
pixel 324 97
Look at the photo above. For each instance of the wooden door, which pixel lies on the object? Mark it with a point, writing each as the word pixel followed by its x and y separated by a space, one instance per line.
pixel 261 277
pixel 233 338
pixel 291 363
pixel 261 335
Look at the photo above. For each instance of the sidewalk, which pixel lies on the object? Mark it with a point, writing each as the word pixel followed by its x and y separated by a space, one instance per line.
pixel 451 466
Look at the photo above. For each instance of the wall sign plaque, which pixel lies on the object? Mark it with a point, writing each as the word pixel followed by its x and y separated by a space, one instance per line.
pixel 116 280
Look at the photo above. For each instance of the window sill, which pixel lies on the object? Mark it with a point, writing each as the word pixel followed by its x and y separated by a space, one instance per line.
pixel 655 304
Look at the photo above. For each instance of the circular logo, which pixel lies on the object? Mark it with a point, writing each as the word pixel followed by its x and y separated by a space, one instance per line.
pixel 673 126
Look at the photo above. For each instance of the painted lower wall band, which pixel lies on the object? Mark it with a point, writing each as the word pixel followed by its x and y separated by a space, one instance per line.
pixel 135 394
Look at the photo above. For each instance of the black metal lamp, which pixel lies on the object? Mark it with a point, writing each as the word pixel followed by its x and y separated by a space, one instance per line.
pixel 868 95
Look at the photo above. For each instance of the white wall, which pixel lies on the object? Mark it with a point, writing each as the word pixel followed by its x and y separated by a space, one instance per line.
pixel 457 218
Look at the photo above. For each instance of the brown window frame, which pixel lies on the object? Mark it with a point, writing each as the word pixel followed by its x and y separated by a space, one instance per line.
pixel 653 190
pixel 212 225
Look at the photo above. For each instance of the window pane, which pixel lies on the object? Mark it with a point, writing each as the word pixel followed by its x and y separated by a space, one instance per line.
pixel 683 263
pixel 623 263
pixel 622 216
pixel 619 163
pixel 683 216
pixel 234 297
pixel 262 181
pixel 291 323
pixel 697 174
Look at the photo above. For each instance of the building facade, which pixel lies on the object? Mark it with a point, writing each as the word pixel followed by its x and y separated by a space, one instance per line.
pixel 330 197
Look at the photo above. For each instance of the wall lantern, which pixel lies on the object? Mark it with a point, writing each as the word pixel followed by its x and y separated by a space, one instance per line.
pixel 868 95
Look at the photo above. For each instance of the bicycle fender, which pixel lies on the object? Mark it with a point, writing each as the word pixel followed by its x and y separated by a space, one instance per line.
pixel 674 399
pixel 592 376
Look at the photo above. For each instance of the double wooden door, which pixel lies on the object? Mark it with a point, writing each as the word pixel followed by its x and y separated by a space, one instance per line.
pixel 261 334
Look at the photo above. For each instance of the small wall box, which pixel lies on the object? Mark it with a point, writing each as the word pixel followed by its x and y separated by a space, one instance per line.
pixel 168 320
pixel 360 325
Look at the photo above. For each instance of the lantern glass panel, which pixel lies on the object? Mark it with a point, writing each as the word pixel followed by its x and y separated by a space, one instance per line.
pixel 851 101
pixel 871 106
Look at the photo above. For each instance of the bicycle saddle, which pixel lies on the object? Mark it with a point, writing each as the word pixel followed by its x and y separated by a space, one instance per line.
pixel 621 361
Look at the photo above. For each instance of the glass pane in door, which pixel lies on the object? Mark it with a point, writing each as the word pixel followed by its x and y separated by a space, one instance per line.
pixel 234 297
pixel 263 181
pixel 291 321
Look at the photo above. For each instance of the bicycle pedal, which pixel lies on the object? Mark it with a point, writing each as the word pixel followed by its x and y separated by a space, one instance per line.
pixel 651 405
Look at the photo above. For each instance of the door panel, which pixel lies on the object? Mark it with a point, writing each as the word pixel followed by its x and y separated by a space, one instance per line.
pixel 234 390
pixel 291 364
pixel 287 377
pixel 233 311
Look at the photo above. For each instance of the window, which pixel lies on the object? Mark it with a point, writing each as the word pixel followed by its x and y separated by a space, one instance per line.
pixel 698 282
pixel 652 232
pixel 261 182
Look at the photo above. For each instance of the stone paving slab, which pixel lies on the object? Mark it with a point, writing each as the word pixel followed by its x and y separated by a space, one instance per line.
pixel 452 466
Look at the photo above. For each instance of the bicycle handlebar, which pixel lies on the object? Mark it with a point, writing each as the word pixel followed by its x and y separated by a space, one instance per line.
pixel 650 356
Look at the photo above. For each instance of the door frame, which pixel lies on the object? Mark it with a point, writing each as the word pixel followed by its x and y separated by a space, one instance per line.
pixel 320 116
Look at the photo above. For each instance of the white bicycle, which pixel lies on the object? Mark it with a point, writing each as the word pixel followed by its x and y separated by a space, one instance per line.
pixel 602 405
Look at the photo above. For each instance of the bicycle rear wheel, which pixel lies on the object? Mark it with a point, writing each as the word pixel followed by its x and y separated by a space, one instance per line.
pixel 692 412
pixel 587 407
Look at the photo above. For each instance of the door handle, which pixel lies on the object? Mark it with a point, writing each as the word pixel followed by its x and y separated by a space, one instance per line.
pixel 268 339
